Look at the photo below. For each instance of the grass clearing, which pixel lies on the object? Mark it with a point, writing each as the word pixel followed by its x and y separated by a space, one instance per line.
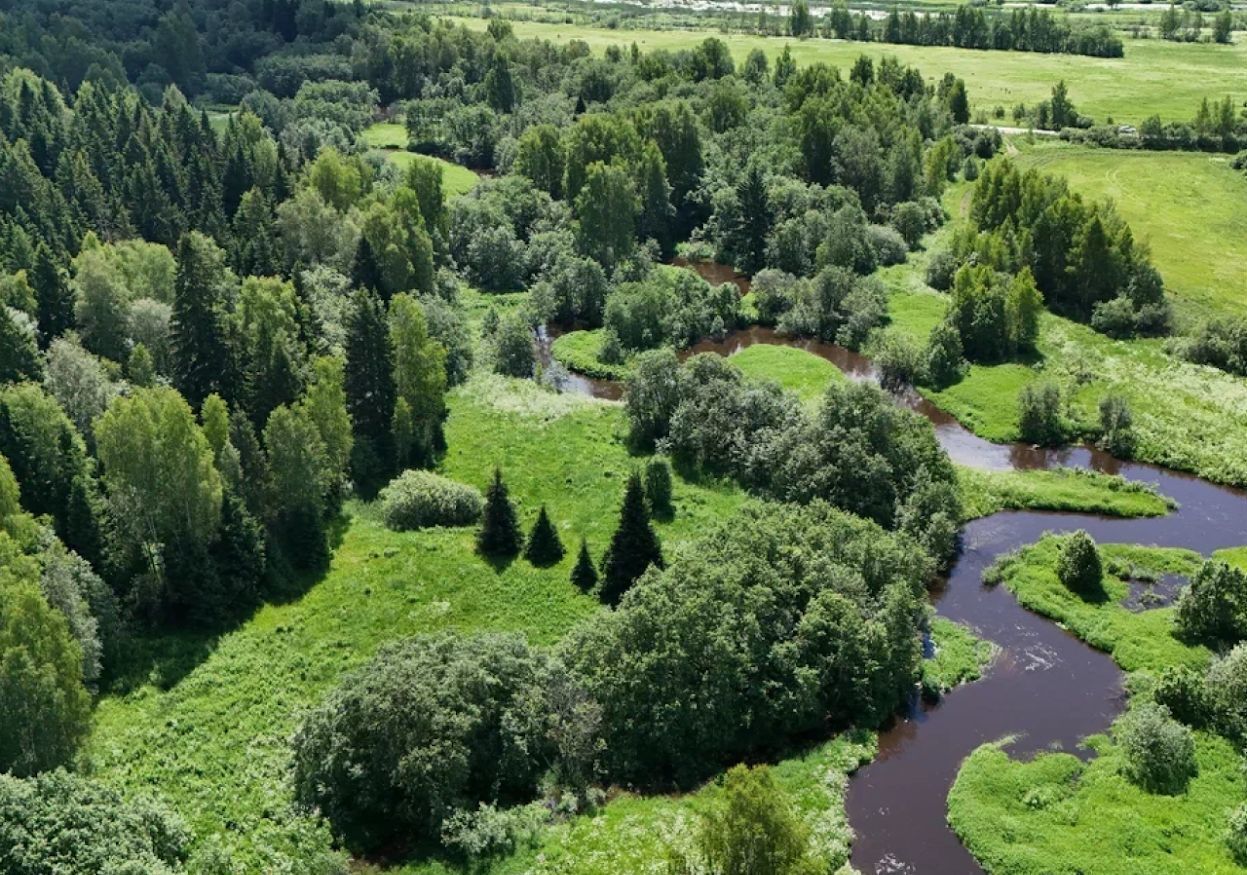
pixel 800 372
pixel 1155 77
pixel 390 139
pixel 1062 489
pixel 578 351
pixel 1190 207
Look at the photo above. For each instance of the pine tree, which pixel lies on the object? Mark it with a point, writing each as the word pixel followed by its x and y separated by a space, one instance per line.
pixel 584 575
pixel 500 530
pixel 634 546
pixel 544 547
pixel 54 296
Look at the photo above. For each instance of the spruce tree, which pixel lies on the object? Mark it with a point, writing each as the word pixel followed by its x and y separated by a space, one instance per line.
pixel 204 360
pixel 370 390
pixel 500 530
pixel 365 271
pixel 544 547
pixel 54 296
pixel 584 575
pixel 634 546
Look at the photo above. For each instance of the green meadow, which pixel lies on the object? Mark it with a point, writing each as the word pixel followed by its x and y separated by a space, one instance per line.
pixel 1155 77
pixel 390 138
pixel 1189 207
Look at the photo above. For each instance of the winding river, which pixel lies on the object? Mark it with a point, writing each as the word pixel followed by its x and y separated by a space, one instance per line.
pixel 1045 688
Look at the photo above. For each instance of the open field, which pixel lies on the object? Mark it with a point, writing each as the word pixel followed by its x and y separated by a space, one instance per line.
pixel 391 138
pixel 1155 77
pixel 1190 207
pixel 1056 813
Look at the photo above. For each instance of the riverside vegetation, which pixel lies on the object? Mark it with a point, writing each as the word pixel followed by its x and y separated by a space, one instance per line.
pixel 305 563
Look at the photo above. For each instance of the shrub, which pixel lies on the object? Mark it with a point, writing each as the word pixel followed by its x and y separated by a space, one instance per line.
pixel 658 487
pixel 1236 834
pixel 899 361
pixel 941 268
pixel 1213 607
pixel 513 354
pixel 1039 414
pixel 430 726
pixel 944 362
pixel 60 822
pixel 1181 690
pixel 420 499
pixel 888 245
pixel 1116 426
pixel 1226 686
pixel 491 832
pixel 910 221
pixel 1078 564
pixel 753 828
pixel 1159 752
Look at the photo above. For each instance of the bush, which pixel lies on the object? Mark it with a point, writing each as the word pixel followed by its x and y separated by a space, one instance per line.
pixel 420 499
pixel 492 832
pixel 753 828
pixel 1159 752
pixel 899 361
pixel 60 822
pixel 1116 427
pixel 888 245
pixel 1226 687
pixel 910 221
pixel 1236 834
pixel 944 361
pixel 1181 690
pixel 1213 608
pixel 1078 564
pixel 430 726
pixel 941 268
pixel 1039 414
pixel 513 354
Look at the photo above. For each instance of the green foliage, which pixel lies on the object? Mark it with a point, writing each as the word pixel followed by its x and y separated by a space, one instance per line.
pixel 1039 415
pixel 1159 752
pixel 1213 607
pixel 1236 834
pixel 1180 689
pixel 753 829
pixel 431 726
pixel 1117 426
pixel 848 622
pixel 418 499
pixel 1079 566
pixel 204 357
pixel 500 535
pixel 45 712
pixel 1226 686
pixel 19 355
pixel 658 488
pixel 513 347
pixel 544 547
pixel 633 548
pixel 59 822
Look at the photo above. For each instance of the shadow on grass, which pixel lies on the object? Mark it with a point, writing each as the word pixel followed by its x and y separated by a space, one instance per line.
pixel 164 656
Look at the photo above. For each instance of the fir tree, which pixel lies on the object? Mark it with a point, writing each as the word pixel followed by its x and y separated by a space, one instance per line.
pixel 584 575
pixel 204 358
pixel 544 547
pixel 634 546
pixel 500 530
pixel 365 271
pixel 54 296
pixel 370 390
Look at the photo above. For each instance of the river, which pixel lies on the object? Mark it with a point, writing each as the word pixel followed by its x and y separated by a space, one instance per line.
pixel 1046 688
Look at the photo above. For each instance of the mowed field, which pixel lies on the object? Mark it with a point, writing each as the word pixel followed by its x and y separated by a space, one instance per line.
pixel 1156 77
pixel 1190 207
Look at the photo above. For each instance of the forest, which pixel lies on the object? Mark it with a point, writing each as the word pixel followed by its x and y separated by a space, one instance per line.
pixel 251 360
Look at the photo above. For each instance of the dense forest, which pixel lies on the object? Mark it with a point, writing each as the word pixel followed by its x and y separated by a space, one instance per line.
pixel 215 329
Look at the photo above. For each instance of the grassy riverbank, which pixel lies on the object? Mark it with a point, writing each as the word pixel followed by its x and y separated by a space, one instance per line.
pixel 1056 813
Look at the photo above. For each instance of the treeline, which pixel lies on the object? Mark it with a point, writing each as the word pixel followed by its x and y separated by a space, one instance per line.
pixel 969 27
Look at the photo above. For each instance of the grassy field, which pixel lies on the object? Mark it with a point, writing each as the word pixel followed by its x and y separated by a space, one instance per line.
pixel 390 138
pixel 1155 77
pixel 800 372
pixel 1061 489
pixel 1190 207
pixel 1058 814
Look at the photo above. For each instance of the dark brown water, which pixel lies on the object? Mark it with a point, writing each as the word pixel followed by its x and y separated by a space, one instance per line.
pixel 1046 689
pixel 715 273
